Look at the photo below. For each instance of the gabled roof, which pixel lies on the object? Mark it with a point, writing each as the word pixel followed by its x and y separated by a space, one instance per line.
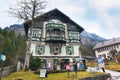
pixel 59 14
pixel 107 43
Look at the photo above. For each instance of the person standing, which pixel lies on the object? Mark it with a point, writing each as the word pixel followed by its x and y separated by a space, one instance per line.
pixel 75 66
pixel 101 63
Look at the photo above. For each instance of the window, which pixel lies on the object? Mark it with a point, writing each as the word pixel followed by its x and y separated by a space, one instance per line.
pixel 36 34
pixel 70 50
pixel 98 50
pixel 55 48
pixel 114 47
pixel 117 46
pixel 74 36
pixel 119 52
pixel 40 49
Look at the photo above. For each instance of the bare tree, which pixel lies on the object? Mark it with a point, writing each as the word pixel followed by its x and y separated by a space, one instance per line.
pixel 28 10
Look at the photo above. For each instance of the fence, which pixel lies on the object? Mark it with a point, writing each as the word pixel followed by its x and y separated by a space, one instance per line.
pixel 7 70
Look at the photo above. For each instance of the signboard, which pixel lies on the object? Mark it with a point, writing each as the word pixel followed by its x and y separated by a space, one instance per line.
pixel 43 73
pixel 2 57
pixel 67 67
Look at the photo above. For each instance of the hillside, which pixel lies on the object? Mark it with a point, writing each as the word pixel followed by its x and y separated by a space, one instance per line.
pixel 90 38
pixel 18 28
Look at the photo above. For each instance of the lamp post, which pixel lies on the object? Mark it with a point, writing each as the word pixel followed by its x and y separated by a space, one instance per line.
pixel 2 58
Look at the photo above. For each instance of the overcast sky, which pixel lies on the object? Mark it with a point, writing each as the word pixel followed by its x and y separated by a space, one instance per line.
pixel 101 17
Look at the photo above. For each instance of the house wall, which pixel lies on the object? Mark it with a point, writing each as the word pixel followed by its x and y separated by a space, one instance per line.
pixel 107 49
pixel 47 50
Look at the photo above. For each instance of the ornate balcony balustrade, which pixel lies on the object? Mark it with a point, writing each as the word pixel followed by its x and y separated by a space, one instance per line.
pixel 55 26
pixel 55 39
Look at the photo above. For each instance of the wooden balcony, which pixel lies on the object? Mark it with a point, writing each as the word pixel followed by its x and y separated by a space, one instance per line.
pixel 57 39
pixel 55 26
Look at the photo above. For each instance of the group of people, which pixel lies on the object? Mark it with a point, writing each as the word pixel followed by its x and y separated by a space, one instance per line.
pixel 77 66
pixel 82 64
pixel 100 61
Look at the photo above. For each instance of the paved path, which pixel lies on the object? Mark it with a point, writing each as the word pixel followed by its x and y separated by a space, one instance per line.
pixel 115 75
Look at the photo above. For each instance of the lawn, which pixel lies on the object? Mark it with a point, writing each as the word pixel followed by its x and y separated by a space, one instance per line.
pixel 113 66
pixel 110 66
pixel 29 75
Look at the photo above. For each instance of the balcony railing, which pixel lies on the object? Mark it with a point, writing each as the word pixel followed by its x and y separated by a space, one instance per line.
pixel 55 39
pixel 55 26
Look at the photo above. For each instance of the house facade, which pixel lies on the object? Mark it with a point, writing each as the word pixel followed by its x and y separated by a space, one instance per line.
pixel 55 38
pixel 105 48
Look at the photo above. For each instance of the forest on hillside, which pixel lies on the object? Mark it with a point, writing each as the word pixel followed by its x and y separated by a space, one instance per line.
pixel 12 46
pixel 87 50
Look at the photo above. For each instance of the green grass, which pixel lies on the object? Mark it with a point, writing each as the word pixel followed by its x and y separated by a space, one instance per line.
pixel 29 75
pixel 110 66
pixel 113 66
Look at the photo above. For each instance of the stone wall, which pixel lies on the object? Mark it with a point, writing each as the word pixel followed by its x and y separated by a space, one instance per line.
pixel 7 70
pixel 99 77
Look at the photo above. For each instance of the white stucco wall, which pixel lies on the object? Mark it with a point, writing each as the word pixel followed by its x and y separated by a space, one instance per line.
pixel 47 51
pixel 101 53
pixel 76 51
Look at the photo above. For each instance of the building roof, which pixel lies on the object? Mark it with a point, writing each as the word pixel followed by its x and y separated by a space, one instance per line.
pixel 107 43
pixel 57 13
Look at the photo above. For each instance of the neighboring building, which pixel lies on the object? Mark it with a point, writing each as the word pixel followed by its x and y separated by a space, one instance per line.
pixel 105 48
pixel 55 38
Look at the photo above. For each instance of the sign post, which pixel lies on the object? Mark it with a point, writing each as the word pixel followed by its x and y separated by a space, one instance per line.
pixel 43 73
pixel 2 58
pixel 68 69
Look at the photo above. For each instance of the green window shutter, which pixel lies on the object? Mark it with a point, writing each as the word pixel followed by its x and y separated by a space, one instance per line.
pixel 66 49
pixel 36 48
pixel 43 49
pixel 36 33
pixel 72 50
pixel 59 49
pixel 51 50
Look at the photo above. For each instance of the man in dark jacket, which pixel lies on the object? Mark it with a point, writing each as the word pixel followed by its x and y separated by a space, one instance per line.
pixel 75 66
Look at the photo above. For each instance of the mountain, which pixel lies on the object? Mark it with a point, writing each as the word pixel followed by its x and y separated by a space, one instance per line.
pixel 86 37
pixel 18 28
pixel 90 38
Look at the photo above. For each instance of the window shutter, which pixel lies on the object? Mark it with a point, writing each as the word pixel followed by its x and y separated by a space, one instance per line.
pixel 72 50
pixel 36 48
pixel 44 49
pixel 51 50
pixel 66 49
pixel 59 49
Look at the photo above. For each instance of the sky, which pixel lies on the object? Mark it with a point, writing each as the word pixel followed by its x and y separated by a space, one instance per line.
pixel 101 17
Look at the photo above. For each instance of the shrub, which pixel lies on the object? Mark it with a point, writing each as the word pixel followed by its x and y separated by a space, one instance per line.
pixel 34 63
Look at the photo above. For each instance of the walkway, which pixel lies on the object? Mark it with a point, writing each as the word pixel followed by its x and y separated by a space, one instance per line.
pixel 115 75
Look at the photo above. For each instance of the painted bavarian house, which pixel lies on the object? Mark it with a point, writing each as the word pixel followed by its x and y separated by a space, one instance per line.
pixel 55 39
